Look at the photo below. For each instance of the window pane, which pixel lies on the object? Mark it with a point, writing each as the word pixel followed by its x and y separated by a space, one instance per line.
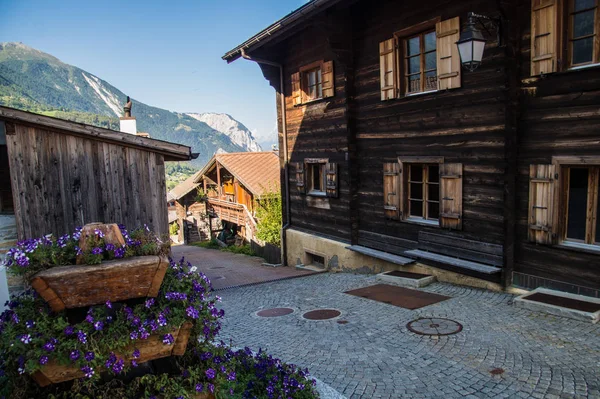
pixel 430 61
pixel 583 24
pixel 316 177
pixel 582 50
pixel 578 189
pixel 413 46
pixel 584 4
pixel 433 192
pixel 416 208
pixel 414 83
pixel 431 81
pixel 320 90
pixel 434 210
pixel 416 173
pixel 434 173
pixel 414 65
pixel 430 41
pixel 416 191
pixel 311 78
pixel 319 76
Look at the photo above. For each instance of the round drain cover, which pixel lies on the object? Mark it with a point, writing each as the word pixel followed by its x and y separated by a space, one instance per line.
pixel 434 326
pixel 275 312
pixel 322 314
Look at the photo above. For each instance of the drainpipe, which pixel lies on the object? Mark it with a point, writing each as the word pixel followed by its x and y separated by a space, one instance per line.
pixel 285 152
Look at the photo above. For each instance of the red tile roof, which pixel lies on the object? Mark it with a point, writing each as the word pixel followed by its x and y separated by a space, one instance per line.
pixel 257 171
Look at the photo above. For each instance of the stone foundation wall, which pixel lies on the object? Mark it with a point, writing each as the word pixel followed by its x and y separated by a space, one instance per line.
pixel 302 246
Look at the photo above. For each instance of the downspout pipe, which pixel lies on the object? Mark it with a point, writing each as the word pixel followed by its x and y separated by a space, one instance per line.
pixel 285 151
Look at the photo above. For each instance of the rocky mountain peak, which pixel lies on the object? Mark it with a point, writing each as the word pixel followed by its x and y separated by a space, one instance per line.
pixel 236 131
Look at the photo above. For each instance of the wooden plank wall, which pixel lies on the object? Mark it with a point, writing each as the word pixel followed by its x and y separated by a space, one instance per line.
pixel 61 181
pixel 466 125
pixel 559 116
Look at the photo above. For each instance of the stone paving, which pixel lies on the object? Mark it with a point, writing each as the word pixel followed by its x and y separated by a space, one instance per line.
pixel 226 269
pixel 502 352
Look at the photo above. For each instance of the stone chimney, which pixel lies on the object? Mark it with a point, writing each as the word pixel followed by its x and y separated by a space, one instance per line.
pixel 128 122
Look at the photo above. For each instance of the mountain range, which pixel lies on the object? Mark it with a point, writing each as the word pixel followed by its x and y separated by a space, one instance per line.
pixel 35 81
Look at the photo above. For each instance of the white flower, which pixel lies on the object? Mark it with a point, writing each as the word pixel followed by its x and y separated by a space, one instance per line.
pixel 193 269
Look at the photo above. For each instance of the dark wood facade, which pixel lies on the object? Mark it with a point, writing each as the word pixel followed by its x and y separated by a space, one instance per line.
pixel 499 122
pixel 64 175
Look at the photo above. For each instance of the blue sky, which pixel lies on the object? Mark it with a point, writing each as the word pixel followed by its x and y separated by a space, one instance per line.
pixel 163 53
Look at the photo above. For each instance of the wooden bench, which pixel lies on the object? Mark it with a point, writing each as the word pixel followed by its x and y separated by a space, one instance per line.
pixel 473 255
pixel 373 253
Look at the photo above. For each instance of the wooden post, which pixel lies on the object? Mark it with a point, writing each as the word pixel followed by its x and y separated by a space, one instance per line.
pixel 220 191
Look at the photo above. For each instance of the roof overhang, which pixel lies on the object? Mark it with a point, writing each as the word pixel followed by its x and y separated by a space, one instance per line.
pixel 171 151
pixel 277 30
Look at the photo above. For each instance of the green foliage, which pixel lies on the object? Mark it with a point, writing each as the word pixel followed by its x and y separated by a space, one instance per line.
pixel 242 250
pixel 174 229
pixel 212 244
pixel 177 172
pixel 268 213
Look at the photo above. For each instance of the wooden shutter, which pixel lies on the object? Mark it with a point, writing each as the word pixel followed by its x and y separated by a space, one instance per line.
pixel 387 69
pixel 391 190
pixel 544 38
pixel 331 179
pixel 300 181
pixel 448 59
pixel 296 88
pixel 328 79
pixel 451 195
pixel 542 183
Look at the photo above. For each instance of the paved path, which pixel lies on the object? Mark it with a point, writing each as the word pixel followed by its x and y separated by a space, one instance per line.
pixel 375 356
pixel 225 269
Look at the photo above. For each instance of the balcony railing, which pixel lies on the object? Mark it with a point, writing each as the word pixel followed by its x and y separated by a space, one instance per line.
pixel 232 212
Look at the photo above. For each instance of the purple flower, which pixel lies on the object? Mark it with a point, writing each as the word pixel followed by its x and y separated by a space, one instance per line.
pixel 99 233
pixel 192 312
pixel 109 304
pixel 162 320
pixel 112 358
pixel 78 250
pixel 82 337
pixel 144 334
pixel 69 330
pixel 96 251
pixel 134 363
pixel 136 354
pixel 231 376
pixel 134 335
pixel 149 303
pixel 176 296
pixel 49 347
pixel 118 366
pixel 119 252
pixel 98 326
pixel 168 340
pixel 211 388
pixel 210 374
pixel 43 360
pixel 89 356
pixel 15 318
pixel 26 338
pixel 87 371
pixel 89 318
pixel 199 387
pixel 74 355
pixel 30 323
pixel 109 247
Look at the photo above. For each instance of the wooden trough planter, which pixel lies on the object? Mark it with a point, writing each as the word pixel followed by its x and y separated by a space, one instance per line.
pixel 150 349
pixel 85 285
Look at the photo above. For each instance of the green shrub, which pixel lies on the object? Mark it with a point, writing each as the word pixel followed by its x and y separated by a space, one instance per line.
pixel 174 229
pixel 243 250
pixel 212 244
pixel 268 213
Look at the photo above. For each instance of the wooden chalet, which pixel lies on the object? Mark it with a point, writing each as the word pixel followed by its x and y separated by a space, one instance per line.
pixel 226 192
pixel 57 175
pixel 397 153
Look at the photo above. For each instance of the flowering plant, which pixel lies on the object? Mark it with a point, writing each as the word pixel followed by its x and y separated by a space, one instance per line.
pixel 35 255
pixel 32 337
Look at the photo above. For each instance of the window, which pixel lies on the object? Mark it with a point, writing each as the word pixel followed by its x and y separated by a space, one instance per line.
pixel 582 205
pixel 420 63
pixel 424 191
pixel 316 176
pixel 583 23
pixel 313 82
pixel 420 59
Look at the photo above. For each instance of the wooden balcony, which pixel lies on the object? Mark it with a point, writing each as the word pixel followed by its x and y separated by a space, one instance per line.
pixel 228 211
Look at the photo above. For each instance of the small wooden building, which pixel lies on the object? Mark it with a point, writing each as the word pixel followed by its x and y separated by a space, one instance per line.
pixel 397 156
pixel 226 192
pixel 56 175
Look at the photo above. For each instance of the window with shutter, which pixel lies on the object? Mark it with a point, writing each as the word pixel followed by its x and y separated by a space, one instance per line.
pixel 328 79
pixel 541 203
pixel 583 28
pixel 387 69
pixel 448 58
pixel 391 190
pixel 331 179
pixel 544 36
pixel 451 183
pixel 300 181
pixel 296 89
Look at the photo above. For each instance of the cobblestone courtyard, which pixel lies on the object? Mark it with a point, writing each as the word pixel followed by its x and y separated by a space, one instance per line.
pixel 374 355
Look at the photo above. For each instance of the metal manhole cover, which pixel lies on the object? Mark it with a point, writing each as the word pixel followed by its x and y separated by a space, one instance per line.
pixel 275 312
pixel 322 314
pixel 434 326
